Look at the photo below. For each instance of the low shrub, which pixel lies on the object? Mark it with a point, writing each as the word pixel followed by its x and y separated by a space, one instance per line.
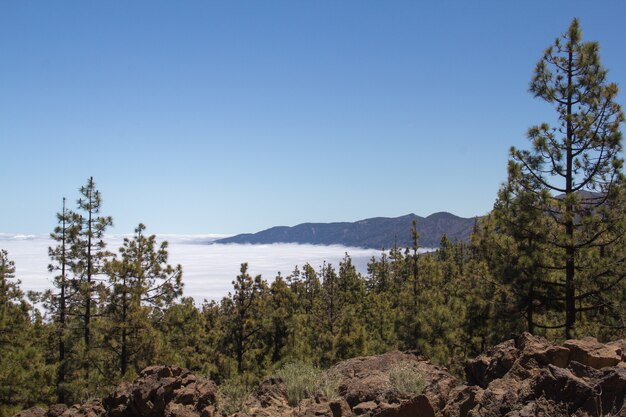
pixel 304 381
pixel 233 395
pixel 406 379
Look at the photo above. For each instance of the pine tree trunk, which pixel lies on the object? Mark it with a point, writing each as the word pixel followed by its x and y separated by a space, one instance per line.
pixel 530 309
pixel 62 312
pixel 124 352
pixel 87 334
pixel 570 307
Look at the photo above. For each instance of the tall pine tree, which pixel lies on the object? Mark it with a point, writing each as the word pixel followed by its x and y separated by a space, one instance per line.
pixel 574 171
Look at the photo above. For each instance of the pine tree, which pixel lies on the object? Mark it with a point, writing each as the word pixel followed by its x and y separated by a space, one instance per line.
pixel 415 279
pixel 328 315
pixel 305 327
pixel 574 171
pixel 380 314
pixel 182 338
pixel 9 293
pixel 244 325
pixel 24 376
pixel 350 337
pixel 281 309
pixel 512 240
pixel 88 256
pixel 60 303
pixel 141 280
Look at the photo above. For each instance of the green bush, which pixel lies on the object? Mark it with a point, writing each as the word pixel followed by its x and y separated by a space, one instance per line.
pixel 304 381
pixel 406 379
pixel 233 395
pixel 327 386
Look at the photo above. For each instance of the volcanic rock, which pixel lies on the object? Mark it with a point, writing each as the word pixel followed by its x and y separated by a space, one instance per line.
pixel 590 352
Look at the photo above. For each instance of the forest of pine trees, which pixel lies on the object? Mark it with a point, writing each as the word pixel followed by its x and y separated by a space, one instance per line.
pixel 447 305
pixel 549 259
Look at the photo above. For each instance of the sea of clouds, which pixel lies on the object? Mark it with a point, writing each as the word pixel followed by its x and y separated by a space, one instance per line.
pixel 208 268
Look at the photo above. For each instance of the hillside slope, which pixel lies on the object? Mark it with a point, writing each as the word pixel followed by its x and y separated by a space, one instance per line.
pixel 374 233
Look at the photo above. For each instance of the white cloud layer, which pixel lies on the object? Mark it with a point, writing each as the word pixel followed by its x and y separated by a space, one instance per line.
pixel 208 269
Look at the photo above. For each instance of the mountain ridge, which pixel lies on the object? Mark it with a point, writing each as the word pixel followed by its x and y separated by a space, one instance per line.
pixel 370 233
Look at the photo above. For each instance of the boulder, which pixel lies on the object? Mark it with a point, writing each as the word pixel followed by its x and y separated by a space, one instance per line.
pixel 364 408
pixel 162 391
pixel 418 406
pixel 462 400
pixel 541 351
pixel 270 399
pixel 197 393
pixel 530 376
pixel 179 410
pixel 439 383
pixel 56 410
pixel 311 408
pixel 541 408
pixel 590 352
pixel 32 412
pixel 366 379
pixel 621 346
pixel 117 403
pixel 208 411
pixel 272 392
pixel 562 386
pixel 154 389
pixel 90 409
pixel 584 371
pixel 612 390
pixel 500 397
pixel 340 408
pixel 493 364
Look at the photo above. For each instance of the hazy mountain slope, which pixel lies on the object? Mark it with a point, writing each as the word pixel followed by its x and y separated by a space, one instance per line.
pixel 377 232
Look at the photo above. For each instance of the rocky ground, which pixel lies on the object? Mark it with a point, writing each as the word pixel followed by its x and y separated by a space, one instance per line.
pixel 522 377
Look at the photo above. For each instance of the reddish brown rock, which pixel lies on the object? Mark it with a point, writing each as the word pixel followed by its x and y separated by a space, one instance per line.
pixel 363 408
pixel 179 410
pixel 311 408
pixel 162 391
pixel 439 383
pixel 272 392
pixel 270 399
pixel 418 406
pixel 90 409
pixel 366 379
pixel 500 397
pixel 199 393
pixel 531 376
pixel 32 412
pixel 56 410
pixel 462 400
pixel 561 385
pixel 621 346
pixel 154 389
pixel 340 408
pixel 612 387
pixel 590 352
pixel 584 371
pixel 117 403
pixel 542 351
pixel 541 408
pixel 493 364
pixel 208 411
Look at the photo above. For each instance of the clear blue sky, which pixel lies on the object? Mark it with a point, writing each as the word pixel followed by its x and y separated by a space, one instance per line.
pixel 232 116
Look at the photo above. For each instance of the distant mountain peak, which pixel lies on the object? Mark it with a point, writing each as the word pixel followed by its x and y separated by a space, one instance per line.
pixel 373 233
